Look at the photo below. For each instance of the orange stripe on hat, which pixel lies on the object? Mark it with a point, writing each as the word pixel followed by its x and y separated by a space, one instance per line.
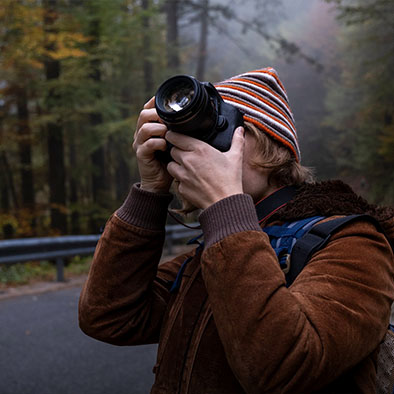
pixel 259 110
pixel 273 135
pixel 262 87
pixel 270 104
pixel 273 74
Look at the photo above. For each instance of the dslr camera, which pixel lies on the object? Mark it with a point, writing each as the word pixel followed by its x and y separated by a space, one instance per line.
pixel 194 108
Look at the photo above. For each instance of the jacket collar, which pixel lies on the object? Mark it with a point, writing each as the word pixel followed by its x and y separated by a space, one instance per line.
pixel 331 198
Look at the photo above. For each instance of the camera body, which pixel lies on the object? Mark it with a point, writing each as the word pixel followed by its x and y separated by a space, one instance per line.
pixel 194 108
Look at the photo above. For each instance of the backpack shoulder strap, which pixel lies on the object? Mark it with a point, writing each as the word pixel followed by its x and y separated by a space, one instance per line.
pixel 283 237
pixel 316 238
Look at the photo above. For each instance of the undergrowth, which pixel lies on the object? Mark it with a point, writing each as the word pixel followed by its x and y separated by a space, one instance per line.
pixel 24 273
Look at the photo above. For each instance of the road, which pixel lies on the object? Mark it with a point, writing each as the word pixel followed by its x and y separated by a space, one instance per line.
pixel 43 351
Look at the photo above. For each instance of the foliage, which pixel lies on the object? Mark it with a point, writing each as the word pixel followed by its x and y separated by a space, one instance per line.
pixel 26 273
pixel 104 59
pixel 360 97
pixel 108 57
pixel 70 100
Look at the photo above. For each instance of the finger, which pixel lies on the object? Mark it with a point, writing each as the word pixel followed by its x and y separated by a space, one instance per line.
pixel 177 154
pixel 147 150
pixel 147 115
pixel 238 142
pixel 150 103
pixel 149 130
pixel 182 141
pixel 175 170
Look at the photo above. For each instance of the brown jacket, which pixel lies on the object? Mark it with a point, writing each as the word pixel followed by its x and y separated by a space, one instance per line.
pixel 234 327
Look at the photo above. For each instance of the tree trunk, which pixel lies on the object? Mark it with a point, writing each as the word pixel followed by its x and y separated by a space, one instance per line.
pixel 98 156
pixel 4 191
pixel 5 203
pixel 56 170
pixel 73 186
pixel 9 195
pixel 171 8
pixel 147 50
pixel 99 185
pixel 8 181
pixel 99 173
pixel 202 47
pixel 24 147
pixel 122 178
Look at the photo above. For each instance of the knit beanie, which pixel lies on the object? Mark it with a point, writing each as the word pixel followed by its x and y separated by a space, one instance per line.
pixel 262 99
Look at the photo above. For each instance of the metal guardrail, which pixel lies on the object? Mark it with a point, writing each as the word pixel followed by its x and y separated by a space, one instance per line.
pixel 177 232
pixel 58 248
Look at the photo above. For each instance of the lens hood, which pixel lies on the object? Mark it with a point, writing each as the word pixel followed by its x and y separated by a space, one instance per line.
pixel 197 118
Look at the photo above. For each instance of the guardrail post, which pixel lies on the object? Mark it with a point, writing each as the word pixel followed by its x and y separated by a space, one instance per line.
pixel 60 269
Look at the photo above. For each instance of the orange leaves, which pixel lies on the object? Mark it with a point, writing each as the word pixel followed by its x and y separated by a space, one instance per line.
pixel 65 45
pixel 25 40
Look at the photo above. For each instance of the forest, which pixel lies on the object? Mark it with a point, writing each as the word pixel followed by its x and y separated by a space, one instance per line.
pixel 74 75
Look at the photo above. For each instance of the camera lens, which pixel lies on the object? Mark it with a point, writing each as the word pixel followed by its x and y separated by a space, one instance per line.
pixel 179 99
pixel 185 106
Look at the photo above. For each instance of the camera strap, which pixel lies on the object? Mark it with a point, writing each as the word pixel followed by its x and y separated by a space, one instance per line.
pixel 267 206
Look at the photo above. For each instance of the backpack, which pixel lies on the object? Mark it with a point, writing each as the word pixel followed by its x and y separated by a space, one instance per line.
pixel 295 242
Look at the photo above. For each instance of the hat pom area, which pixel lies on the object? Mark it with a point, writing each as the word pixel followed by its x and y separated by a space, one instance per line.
pixel 262 98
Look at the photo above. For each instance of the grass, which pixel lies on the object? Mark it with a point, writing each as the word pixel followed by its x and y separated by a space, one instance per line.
pixel 26 273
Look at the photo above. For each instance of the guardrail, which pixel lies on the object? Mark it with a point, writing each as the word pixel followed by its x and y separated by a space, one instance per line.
pixel 58 248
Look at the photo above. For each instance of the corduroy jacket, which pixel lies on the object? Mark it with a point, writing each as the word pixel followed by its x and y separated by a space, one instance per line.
pixel 233 326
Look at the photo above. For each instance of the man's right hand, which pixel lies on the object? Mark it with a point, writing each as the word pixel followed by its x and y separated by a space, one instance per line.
pixel 149 138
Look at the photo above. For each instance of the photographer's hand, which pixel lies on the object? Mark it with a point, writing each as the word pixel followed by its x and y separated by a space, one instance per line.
pixel 154 174
pixel 206 175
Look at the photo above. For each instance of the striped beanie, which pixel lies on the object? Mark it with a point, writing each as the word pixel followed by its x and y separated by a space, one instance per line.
pixel 262 99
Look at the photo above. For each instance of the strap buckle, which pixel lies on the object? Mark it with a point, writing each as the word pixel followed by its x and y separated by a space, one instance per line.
pixel 286 266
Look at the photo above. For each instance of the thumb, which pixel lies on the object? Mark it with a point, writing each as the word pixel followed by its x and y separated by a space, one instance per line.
pixel 150 103
pixel 238 142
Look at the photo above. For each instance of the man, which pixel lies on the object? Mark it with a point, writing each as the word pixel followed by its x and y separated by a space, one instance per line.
pixel 222 315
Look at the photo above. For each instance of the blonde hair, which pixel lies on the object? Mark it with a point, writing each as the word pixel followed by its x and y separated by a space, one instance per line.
pixel 283 169
pixel 271 155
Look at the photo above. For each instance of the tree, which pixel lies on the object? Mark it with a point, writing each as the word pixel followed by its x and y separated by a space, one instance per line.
pixel 172 39
pixel 20 38
pixel 147 48
pixel 56 165
pixel 230 22
pixel 29 71
pixel 203 41
pixel 360 99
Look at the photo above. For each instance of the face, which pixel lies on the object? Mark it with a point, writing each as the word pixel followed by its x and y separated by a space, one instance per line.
pixel 254 179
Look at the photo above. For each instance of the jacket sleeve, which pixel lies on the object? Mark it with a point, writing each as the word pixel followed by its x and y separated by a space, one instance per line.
pixel 125 296
pixel 297 339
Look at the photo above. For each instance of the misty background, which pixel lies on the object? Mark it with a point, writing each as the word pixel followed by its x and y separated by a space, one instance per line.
pixel 75 74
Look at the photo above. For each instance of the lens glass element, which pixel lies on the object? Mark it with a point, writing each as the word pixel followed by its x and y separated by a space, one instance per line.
pixel 179 99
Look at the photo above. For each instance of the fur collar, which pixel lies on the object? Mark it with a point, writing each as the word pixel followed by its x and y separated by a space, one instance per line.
pixel 330 198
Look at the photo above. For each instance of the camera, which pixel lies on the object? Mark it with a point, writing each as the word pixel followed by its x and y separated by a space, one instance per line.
pixel 194 108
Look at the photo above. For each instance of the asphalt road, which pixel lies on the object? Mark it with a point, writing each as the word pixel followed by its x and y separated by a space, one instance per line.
pixel 43 351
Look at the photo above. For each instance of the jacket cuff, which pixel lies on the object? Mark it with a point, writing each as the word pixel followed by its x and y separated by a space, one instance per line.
pixel 231 215
pixel 145 209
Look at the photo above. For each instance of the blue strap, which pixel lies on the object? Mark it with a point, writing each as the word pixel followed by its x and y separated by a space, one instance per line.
pixel 284 237
pixel 177 282
pixel 293 229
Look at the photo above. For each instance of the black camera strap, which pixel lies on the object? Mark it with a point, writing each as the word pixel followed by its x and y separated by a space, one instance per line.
pixel 267 206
